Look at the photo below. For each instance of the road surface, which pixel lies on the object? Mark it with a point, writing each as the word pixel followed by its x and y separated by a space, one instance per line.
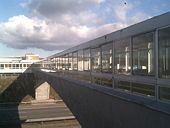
pixel 33 113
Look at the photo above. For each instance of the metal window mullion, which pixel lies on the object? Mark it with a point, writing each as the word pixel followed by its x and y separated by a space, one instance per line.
pixel 113 65
pixel 156 64
pixel 100 59
pixel 90 66
pixel 131 60
pixel 77 60
pixel 83 60
pixel 100 63
pixel 55 61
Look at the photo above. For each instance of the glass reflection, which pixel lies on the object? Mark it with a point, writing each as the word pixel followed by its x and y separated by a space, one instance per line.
pixel 75 65
pixel 80 60
pixel 143 59
pixel 164 53
pixel 86 60
pixel 70 62
pixel 122 57
pixel 107 58
pixel 96 59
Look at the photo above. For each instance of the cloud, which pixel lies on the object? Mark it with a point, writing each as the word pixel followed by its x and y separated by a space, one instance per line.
pixel 67 11
pixel 22 32
pixel 125 12
pixel 61 24
pixel 121 11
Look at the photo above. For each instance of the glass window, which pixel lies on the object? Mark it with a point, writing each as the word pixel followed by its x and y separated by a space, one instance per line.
pixel 107 58
pixel 48 64
pixel 96 80
pixel 70 63
pixel 86 78
pixel 96 60
pixel 10 66
pixel 66 62
pixel 63 62
pixel 20 65
pixel 29 65
pixel 122 56
pixel 80 60
pixel 106 82
pixel 164 53
pixel 17 66
pixel 75 66
pixel 56 62
pixel 13 66
pixel 60 62
pixel 1 66
pixel 145 89
pixel 164 93
pixel 124 85
pixel 25 65
pixel 86 60
pixel 6 66
pixel 143 59
pixel 52 65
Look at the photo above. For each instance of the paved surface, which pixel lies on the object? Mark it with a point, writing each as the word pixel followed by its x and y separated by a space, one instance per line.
pixel 33 113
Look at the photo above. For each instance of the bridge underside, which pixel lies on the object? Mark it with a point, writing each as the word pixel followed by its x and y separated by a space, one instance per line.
pixel 99 107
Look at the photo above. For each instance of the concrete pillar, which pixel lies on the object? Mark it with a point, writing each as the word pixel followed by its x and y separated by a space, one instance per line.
pixel 42 92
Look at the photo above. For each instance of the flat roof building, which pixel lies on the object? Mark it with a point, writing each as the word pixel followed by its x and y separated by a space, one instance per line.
pixel 17 64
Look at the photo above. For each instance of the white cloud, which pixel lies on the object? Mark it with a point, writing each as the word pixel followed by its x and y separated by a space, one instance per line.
pixel 121 11
pixel 23 32
pixel 64 23
pixel 70 11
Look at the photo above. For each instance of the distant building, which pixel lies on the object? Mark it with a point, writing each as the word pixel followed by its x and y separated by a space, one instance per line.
pixel 17 64
pixel 32 57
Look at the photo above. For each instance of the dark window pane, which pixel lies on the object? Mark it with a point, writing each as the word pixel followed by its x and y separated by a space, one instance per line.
pixel 124 85
pixel 2 66
pixel 164 53
pixel 148 90
pixel 86 78
pixel 106 82
pixel 164 93
pixel 122 57
pixel 17 66
pixel 143 59
pixel 96 80
pixel 13 66
pixel 25 65
pixel 107 58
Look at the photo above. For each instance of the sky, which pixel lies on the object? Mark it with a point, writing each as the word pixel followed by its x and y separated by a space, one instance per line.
pixel 46 27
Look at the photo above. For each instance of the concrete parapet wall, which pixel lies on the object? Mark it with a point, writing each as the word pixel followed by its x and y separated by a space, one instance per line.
pixel 97 109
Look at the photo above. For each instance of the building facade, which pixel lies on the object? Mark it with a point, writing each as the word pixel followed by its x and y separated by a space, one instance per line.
pixel 17 64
